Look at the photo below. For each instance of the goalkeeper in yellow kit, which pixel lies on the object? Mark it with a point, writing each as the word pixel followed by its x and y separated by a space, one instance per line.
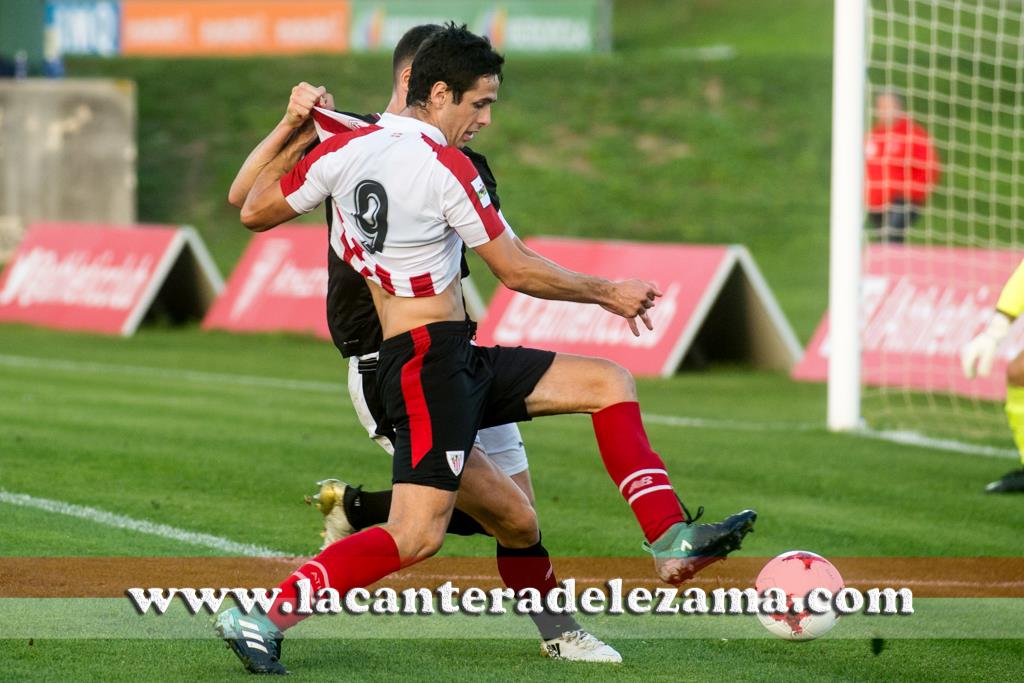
pixel 977 358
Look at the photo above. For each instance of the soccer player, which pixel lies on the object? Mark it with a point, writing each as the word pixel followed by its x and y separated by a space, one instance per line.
pixel 356 332
pixel 977 358
pixel 406 200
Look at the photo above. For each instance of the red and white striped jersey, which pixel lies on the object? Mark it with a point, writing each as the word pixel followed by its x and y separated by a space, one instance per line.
pixel 404 202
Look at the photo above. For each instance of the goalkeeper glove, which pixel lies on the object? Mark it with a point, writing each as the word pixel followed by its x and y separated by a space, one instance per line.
pixel 977 357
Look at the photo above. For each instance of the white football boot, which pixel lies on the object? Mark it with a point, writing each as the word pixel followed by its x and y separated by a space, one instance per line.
pixel 579 646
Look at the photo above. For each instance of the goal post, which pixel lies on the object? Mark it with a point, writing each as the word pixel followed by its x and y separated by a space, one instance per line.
pixel 927 210
pixel 849 80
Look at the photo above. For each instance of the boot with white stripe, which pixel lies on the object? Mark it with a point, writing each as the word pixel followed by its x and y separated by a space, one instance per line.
pixel 579 646
pixel 253 638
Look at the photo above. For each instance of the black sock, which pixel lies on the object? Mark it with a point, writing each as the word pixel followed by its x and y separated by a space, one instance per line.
pixel 370 508
pixel 531 568
pixel 366 508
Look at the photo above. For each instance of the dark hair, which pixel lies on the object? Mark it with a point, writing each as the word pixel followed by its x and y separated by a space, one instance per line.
pixel 409 43
pixel 454 56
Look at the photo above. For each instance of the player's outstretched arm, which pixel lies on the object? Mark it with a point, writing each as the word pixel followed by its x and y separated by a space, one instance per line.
pixel 520 269
pixel 294 128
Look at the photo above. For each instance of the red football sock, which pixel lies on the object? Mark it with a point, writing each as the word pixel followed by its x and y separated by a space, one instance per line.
pixel 526 568
pixel 636 469
pixel 531 568
pixel 353 562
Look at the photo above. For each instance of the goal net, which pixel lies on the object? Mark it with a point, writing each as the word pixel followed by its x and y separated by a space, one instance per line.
pixel 944 188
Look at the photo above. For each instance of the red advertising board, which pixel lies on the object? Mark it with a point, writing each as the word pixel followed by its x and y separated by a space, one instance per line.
pixel 919 307
pixel 233 27
pixel 692 278
pixel 93 277
pixel 279 285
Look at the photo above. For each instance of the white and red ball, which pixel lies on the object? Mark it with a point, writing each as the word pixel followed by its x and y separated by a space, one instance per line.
pixel 797 573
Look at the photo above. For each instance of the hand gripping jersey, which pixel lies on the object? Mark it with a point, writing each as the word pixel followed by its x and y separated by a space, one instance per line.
pixel 404 203
pixel 351 318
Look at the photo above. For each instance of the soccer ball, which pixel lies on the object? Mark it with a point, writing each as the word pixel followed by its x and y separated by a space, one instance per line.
pixel 797 573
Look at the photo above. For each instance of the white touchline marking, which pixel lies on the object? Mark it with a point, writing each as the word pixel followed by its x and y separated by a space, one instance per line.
pixel 141 526
pixel 732 425
pixel 920 440
pixel 904 438
pixel 201 377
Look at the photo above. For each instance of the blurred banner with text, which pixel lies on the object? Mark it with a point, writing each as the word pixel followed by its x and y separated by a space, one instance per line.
pixel 517 26
pixel 168 28
pixel 280 284
pixel 919 307
pixel 172 27
pixel 716 306
pixel 107 278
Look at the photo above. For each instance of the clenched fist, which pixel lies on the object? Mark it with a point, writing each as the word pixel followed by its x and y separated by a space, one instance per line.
pixel 304 97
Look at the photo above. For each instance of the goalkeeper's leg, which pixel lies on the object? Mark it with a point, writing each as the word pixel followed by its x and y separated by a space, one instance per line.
pixel 1013 482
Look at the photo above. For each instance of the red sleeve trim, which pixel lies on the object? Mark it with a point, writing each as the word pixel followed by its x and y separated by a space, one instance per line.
pixel 295 178
pixel 464 171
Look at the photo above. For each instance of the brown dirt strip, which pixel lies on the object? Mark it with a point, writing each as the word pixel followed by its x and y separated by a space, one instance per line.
pixel 104 577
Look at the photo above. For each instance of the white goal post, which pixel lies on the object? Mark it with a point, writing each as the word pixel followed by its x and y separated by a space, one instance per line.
pixel 849 81
pixel 927 210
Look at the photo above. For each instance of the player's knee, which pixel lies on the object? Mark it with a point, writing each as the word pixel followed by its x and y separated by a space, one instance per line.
pixel 1015 372
pixel 525 525
pixel 617 384
pixel 426 546
pixel 519 528
pixel 415 545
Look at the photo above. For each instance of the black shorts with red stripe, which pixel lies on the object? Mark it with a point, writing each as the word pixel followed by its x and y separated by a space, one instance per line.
pixel 439 390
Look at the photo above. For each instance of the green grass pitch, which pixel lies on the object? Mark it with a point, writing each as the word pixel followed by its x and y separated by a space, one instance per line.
pixel 223 434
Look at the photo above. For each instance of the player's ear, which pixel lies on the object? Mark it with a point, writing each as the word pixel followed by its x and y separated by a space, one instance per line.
pixel 439 94
pixel 403 76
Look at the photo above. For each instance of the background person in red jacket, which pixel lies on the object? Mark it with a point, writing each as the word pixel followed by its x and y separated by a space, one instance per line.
pixel 902 167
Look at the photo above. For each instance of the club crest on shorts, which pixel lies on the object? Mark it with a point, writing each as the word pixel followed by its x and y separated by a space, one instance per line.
pixel 456 460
